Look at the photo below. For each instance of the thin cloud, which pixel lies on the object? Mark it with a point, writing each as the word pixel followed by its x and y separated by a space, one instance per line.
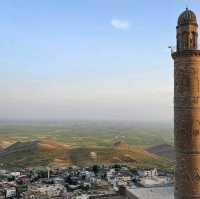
pixel 120 24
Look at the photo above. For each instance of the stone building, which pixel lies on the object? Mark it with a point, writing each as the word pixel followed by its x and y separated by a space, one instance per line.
pixel 187 107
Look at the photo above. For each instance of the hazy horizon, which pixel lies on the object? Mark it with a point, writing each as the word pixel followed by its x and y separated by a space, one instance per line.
pixel 71 120
pixel 88 60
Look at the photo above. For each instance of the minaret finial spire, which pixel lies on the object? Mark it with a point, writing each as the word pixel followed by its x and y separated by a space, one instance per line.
pixel 187 4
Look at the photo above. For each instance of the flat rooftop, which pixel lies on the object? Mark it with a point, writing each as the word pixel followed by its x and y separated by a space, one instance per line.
pixel 153 193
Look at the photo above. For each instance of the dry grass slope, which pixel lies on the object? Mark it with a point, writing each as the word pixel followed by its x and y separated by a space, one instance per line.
pixel 49 152
pixel 164 150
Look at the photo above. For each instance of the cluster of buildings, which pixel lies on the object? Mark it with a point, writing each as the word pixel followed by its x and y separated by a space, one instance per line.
pixel 113 182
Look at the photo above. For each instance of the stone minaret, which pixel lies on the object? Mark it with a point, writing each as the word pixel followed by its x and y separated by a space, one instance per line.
pixel 187 108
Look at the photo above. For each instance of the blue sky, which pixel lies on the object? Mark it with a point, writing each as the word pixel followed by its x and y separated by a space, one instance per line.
pixel 88 59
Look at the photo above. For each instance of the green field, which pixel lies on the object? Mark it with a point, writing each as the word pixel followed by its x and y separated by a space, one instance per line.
pixel 102 133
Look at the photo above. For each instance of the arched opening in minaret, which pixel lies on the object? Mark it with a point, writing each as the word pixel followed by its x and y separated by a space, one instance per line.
pixel 194 40
pixel 185 36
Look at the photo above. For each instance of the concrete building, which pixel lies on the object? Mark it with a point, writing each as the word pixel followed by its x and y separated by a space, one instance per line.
pixel 187 107
pixel 45 191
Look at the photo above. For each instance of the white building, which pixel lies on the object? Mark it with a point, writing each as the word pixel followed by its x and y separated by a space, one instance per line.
pixel 151 173
pixel 11 192
pixel 15 174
